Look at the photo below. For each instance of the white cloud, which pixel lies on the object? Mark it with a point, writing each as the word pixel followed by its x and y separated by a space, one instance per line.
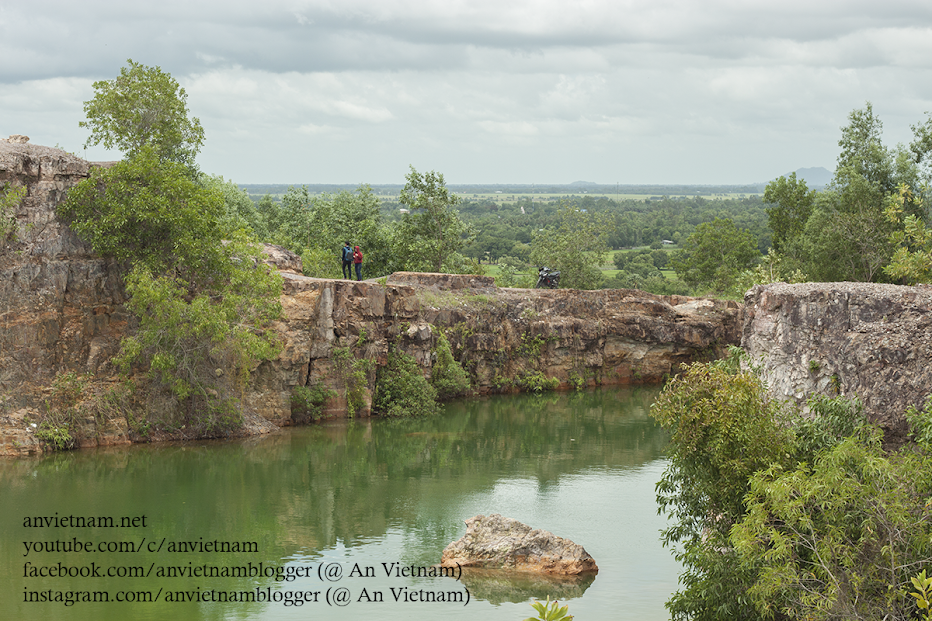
pixel 520 90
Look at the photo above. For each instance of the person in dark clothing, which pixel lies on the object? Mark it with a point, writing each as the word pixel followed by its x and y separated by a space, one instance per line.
pixel 357 259
pixel 347 261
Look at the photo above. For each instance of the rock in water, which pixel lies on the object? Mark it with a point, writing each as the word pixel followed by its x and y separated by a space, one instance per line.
pixel 497 542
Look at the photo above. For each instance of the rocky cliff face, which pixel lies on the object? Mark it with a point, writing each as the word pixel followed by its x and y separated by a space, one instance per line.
pixel 867 340
pixel 505 338
pixel 61 310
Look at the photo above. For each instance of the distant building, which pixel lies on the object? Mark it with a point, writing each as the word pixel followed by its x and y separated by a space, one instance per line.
pixel 667 241
pixel 409 211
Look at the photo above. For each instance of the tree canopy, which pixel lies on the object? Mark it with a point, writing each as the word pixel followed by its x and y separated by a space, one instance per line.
pixel 714 254
pixel 576 247
pixel 433 230
pixel 143 106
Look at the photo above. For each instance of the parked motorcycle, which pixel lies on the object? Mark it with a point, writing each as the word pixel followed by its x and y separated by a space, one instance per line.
pixel 547 278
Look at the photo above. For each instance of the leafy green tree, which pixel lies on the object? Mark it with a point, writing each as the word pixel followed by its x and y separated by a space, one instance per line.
pixel 201 293
pixel 723 428
pixel 577 247
pixel 912 260
pixel 147 211
pixel 433 230
pixel 791 205
pixel 714 255
pixel 316 227
pixel 202 345
pixel 848 236
pixel 240 211
pixel 143 107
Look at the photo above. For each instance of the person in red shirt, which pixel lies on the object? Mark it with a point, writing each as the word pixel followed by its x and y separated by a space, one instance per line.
pixel 357 261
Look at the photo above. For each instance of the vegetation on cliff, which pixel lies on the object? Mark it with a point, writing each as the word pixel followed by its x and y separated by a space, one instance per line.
pixel 784 517
pixel 198 287
pixel 10 197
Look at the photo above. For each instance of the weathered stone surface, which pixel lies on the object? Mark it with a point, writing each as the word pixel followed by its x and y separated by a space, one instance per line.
pixel 442 282
pixel 497 542
pixel 872 341
pixel 282 259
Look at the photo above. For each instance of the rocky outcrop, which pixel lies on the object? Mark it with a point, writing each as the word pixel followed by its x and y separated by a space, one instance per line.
pixel 497 542
pixel 872 341
pixel 505 338
pixel 61 311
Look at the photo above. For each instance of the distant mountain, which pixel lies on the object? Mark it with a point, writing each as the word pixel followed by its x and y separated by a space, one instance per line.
pixel 814 177
pixel 586 183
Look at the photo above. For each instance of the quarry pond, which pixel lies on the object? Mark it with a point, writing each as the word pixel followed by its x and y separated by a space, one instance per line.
pixel 331 521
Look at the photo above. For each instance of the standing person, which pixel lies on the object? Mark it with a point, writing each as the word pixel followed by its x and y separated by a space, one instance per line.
pixel 357 259
pixel 347 261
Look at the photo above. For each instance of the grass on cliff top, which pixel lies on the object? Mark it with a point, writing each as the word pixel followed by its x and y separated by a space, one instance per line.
pixel 456 299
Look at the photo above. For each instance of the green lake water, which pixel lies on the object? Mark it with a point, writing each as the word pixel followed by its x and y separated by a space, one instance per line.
pixel 346 497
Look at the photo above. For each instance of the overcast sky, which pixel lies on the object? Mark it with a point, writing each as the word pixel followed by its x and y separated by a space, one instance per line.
pixel 484 91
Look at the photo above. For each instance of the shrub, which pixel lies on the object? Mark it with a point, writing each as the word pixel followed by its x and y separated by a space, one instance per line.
pixel 57 428
pixel 536 381
pixel 807 518
pixel 9 198
pixel 307 402
pixel 352 372
pixel 447 376
pixel 839 539
pixel 723 428
pixel 402 390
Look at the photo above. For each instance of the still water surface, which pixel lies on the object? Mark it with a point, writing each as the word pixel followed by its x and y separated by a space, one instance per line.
pixel 362 493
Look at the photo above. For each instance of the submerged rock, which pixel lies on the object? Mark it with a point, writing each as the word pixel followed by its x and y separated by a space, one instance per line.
pixel 497 542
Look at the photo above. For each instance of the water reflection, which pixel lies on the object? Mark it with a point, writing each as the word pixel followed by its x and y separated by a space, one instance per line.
pixel 362 491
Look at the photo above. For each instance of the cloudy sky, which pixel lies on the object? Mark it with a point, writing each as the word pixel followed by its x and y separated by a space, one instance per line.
pixel 484 91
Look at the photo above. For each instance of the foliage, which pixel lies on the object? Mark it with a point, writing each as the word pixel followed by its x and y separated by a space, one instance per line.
pixel 830 421
pixel 536 381
pixel 920 424
pixel 576 248
pixel 848 235
pixel 239 211
pixel 550 611
pixel 352 372
pixel 62 410
pixel 806 518
pixel 307 402
pixel 319 263
pixel 723 429
pixel 773 268
pixel 791 205
pixel 447 375
pixel 433 230
pixel 201 291
pixel 10 197
pixel 923 593
pixel 509 268
pixel 912 260
pixel 203 345
pixel 715 254
pixel 147 211
pixel 143 107
pixel 402 390
pixel 839 539
pixel 316 227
